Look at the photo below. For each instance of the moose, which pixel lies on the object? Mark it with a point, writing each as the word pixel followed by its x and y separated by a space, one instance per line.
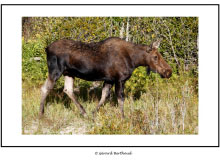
pixel 112 60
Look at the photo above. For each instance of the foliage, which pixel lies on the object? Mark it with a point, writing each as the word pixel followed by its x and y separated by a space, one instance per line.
pixel 34 71
pixel 178 46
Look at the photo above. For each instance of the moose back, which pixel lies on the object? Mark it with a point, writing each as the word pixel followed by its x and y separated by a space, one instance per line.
pixel 112 60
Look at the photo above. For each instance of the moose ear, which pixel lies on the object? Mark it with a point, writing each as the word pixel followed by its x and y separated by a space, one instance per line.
pixel 156 44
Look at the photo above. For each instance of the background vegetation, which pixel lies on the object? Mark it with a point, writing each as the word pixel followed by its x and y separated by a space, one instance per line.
pixel 152 106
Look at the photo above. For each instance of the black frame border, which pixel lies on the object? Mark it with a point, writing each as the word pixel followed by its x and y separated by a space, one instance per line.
pixel 111 5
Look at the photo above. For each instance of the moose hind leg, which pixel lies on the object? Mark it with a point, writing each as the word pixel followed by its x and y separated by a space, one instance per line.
pixel 68 89
pixel 119 90
pixel 45 89
pixel 105 93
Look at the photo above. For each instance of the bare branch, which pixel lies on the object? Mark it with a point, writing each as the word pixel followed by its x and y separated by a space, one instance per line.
pixel 171 43
pixel 127 30
pixel 122 30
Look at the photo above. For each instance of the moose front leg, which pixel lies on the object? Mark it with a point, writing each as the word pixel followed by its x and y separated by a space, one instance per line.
pixel 105 93
pixel 68 89
pixel 119 91
pixel 45 89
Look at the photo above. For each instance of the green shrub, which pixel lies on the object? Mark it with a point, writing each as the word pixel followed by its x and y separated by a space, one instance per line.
pixel 32 70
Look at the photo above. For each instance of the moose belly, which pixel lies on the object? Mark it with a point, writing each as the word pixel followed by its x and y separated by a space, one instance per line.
pixel 89 75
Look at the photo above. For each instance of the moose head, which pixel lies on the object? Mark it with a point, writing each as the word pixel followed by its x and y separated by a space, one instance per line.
pixel 156 63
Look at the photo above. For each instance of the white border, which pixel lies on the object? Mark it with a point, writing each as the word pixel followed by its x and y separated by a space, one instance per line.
pixel 208 76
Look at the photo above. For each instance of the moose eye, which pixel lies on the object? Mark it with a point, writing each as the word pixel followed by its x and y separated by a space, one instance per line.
pixel 155 58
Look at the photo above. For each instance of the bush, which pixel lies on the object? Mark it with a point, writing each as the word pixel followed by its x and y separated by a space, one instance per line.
pixel 32 70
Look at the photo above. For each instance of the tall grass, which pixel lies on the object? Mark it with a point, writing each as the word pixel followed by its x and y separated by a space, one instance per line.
pixel 165 107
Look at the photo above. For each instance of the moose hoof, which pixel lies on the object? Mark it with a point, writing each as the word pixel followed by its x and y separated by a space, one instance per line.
pixel 94 113
pixel 83 114
pixel 41 115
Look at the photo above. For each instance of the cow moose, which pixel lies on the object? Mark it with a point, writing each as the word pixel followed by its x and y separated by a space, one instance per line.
pixel 112 60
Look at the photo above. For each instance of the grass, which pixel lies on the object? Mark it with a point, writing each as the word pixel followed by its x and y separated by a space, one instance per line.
pixel 166 107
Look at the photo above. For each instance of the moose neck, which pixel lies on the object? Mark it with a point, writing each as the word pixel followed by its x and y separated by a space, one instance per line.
pixel 138 56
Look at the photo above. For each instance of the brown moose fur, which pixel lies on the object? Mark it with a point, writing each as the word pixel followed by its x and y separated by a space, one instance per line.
pixel 112 60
